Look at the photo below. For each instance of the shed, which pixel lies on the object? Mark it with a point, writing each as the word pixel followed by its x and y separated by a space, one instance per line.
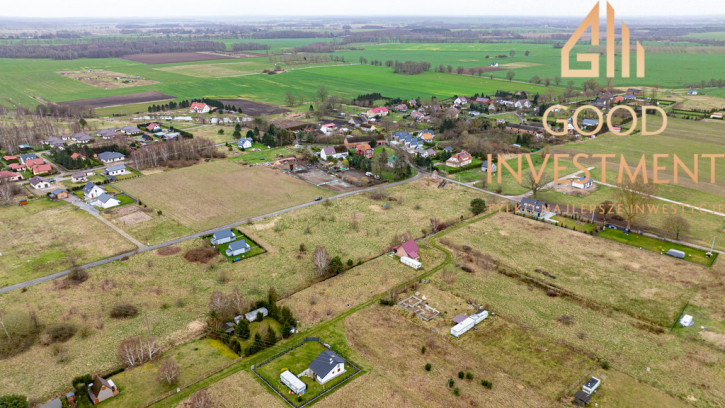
pixel 581 398
pixel 686 321
pixel 462 327
pixel 252 316
pixel 676 253
pixel 410 262
pixel 591 385
pixel 292 382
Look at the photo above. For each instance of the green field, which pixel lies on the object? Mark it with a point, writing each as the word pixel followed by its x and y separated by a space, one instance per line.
pixel 655 245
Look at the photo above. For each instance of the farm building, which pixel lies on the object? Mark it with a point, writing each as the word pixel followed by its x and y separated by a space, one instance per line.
pixel 676 253
pixel 468 323
pixel 252 316
pixel 100 390
pixel 591 385
pixel 292 382
pixel 581 398
pixel 238 248
pixel 106 201
pixel 91 190
pixel 407 249
pixel 582 182
pixel 410 262
pixel 222 237
pixel 326 366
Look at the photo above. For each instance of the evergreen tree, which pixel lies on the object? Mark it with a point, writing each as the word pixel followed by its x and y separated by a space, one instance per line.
pixel 242 330
pixel 271 338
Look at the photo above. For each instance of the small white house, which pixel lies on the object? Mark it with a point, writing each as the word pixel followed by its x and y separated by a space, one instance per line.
pixel 116 170
pixel 326 366
pixel 91 190
pixel 39 183
pixel 222 237
pixel 238 248
pixel 106 201
pixel 245 143
pixel 686 321
pixel 292 382
pixel 591 385
pixel 333 152
pixel 582 182
pixel 410 262
pixel 252 316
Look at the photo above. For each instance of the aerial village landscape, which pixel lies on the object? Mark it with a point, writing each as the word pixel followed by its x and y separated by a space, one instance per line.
pixel 372 210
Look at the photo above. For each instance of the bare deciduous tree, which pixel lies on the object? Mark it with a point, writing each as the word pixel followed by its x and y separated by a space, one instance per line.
pixel 535 185
pixel 633 197
pixel 677 225
pixel 199 399
pixel 137 350
pixel 168 372
pixel 321 259
pixel 7 191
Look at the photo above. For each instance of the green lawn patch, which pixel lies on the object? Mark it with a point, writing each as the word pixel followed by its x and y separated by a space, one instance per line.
pixel 656 245
pixel 255 250
pixel 264 155
pixel 296 360
pixel 574 224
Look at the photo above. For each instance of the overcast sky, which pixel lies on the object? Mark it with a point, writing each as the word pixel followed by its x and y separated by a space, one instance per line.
pixel 142 9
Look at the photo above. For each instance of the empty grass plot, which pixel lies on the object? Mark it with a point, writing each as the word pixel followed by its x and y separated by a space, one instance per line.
pixel 108 79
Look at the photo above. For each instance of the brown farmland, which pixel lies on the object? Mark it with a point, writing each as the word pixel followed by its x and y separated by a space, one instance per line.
pixel 253 108
pixel 106 101
pixel 172 57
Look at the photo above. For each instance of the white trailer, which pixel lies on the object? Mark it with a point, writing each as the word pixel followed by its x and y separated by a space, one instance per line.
pixel 462 327
pixel 292 382
pixel 410 262
pixel 479 317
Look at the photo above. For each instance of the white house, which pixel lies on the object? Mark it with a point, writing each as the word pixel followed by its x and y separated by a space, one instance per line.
pixel 461 100
pixel 328 128
pixel 326 366
pixel 459 160
pixel 91 190
pixel 522 104
pixel 333 152
pixel 238 248
pixel 245 143
pixel 199 107
pixel 111 157
pixel 116 170
pixel 582 182
pixel 106 201
pixel 292 382
pixel 468 323
pixel 222 237
pixel 39 183
pixel 485 165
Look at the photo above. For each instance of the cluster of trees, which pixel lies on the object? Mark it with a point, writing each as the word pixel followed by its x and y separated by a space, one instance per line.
pixel 107 49
pixel 712 83
pixel 299 59
pixel 137 350
pixel 428 35
pixel 8 190
pixel 250 46
pixel 275 136
pixel 411 67
pixel 31 129
pixel 169 106
pixel 324 265
pixel 321 46
pixel 291 34
pixel 161 154
pixel 63 158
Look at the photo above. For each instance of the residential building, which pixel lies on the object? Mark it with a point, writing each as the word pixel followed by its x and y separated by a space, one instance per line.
pixel 29 156
pixel 106 201
pixel 130 130
pixel 42 169
pixel 91 191
pixel 116 170
pixel 377 112
pixel 532 207
pixel 582 182
pixel 59 194
pixel 245 143
pixel 459 160
pixel 326 366
pixel 522 104
pixel 407 248
pixel 222 237
pixel 199 107
pixel 81 138
pixel 485 166
pixel 38 183
pixel 252 316
pixel 364 150
pixel 427 136
pixel 334 152
pixel 110 157
pixel 10 175
pixel 81 176
pixel 237 248
pixel 100 390
pixel 29 163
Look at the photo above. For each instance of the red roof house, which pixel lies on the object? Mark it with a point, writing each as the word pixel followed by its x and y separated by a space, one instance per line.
pixel 42 169
pixel 33 162
pixel 381 111
pixel 199 107
pixel 459 160
pixel 365 150
pixel 77 156
pixel 408 248
pixel 15 166
pixel 10 175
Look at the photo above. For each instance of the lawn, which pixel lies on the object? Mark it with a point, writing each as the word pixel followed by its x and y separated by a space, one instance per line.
pixel 296 361
pixel 264 155
pixel 219 192
pixel 195 358
pixel 657 246
pixel 46 236
pixel 573 224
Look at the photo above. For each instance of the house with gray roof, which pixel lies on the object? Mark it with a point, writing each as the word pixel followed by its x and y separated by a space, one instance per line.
pixel 532 207
pixel 110 157
pixel 116 170
pixel 107 133
pixel 38 183
pixel 91 190
pixel 222 237
pixel 484 166
pixel 130 130
pixel 81 138
pixel 29 156
pixel 326 366
pixel 245 143
pixel 106 201
pixel 237 248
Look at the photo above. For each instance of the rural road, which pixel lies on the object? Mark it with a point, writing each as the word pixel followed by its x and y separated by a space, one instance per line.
pixel 144 248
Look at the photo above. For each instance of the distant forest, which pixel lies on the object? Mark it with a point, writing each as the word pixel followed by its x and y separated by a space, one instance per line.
pixel 107 49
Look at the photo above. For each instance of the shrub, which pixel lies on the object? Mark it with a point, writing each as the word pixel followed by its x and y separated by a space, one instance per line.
pixel 428 367
pixel 14 401
pixel 422 350
pixel 487 384
pixel 469 376
pixel 60 332
pixel 605 364
pixel 123 311
pixel 460 375
pixel 77 276
pixel 350 263
pixel 451 382
pixel 159 212
pixel 456 392
pixel 80 383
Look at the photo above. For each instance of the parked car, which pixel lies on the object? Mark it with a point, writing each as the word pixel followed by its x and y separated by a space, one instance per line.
pixel 318 198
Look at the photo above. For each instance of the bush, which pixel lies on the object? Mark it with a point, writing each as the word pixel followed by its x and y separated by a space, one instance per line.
pixel 469 376
pixel 605 365
pixel 77 276
pixel 13 401
pixel 456 392
pixel 350 263
pixel 422 350
pixel 428 367
pixel 487 384
pixel 451 382
pixel 80 383
pixel 123 311
pixel 460 375
pixel 60 333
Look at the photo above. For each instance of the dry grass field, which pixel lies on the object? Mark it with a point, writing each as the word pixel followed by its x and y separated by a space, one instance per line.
pixel 46 237
pixel 690 370
pixel 108 79
pixel 174 293
pixel 594 268
pixel 241 389
pixel 219 192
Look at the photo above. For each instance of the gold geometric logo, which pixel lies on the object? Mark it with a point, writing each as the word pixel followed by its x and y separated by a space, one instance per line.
pixel 592 19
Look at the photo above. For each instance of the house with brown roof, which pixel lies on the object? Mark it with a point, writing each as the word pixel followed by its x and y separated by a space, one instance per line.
pixel 333 152
pixel 38 183
pixel 100 390
pixel 364 149
pixel 42 169
pixel 459 160
pixel 351 142
pixel 10 175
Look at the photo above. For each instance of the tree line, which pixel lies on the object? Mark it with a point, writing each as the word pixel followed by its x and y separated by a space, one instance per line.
pixel 107 49
pixel 250 46
pixel 161 154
